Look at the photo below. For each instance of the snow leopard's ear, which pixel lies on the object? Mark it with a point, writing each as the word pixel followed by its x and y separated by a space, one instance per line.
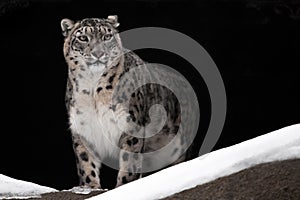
pixel 113 20
pixel 66 26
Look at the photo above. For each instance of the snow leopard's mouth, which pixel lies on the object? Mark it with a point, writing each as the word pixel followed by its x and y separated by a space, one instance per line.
pixel 97 66
pixel 97 62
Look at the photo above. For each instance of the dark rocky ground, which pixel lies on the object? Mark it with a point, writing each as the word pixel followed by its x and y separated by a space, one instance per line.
pixel 269 181
pixel 66 196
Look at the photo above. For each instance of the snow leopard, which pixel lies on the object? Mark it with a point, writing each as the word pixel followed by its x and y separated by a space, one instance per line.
pixel 102 108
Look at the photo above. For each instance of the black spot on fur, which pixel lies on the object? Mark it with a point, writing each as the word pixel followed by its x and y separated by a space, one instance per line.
pixel 111 79
pixel 113 107
pixel 93 173
pixel 136 108
pixel 134 140
pixel 76 145
pixel 131 112
pixel 124 180
pixel 166 129
pixel 108 87
pixel 142 107
pixel 129 142
pixel 129 174
pixel 99 89
pixel 81 172
pixel 84 156
pixel 76 62
pixel 87 180
pixel 133 119
pixel 175 129
pixel 121 75
pixel 125 157
pixel 104 74
pixel 93 165
pixel 85 92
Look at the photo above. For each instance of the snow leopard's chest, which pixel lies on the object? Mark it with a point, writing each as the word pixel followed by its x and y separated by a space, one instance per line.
pixel 95 120
pixel 98 128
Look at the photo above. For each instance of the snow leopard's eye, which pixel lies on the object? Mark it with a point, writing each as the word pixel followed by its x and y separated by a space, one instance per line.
pixel 83 38
pixel 107 36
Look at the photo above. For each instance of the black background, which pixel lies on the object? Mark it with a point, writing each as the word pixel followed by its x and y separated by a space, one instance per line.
pixel 256 46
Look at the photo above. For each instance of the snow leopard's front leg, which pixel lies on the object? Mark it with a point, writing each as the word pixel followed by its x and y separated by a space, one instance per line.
pixel 130 159
pixel 88 167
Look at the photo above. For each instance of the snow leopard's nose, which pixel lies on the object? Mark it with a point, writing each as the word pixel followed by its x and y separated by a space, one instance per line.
pixel 98 53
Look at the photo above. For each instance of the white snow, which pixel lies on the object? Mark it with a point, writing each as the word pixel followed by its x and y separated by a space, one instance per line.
pixel 15 189
pixel 83 190
pixel 278 145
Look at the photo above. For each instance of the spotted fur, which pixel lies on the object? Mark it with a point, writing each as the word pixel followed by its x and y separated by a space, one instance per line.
pixel 96 62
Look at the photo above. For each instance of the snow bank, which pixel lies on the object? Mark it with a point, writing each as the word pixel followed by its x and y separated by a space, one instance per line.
pixel 278 145
pixel 15 189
